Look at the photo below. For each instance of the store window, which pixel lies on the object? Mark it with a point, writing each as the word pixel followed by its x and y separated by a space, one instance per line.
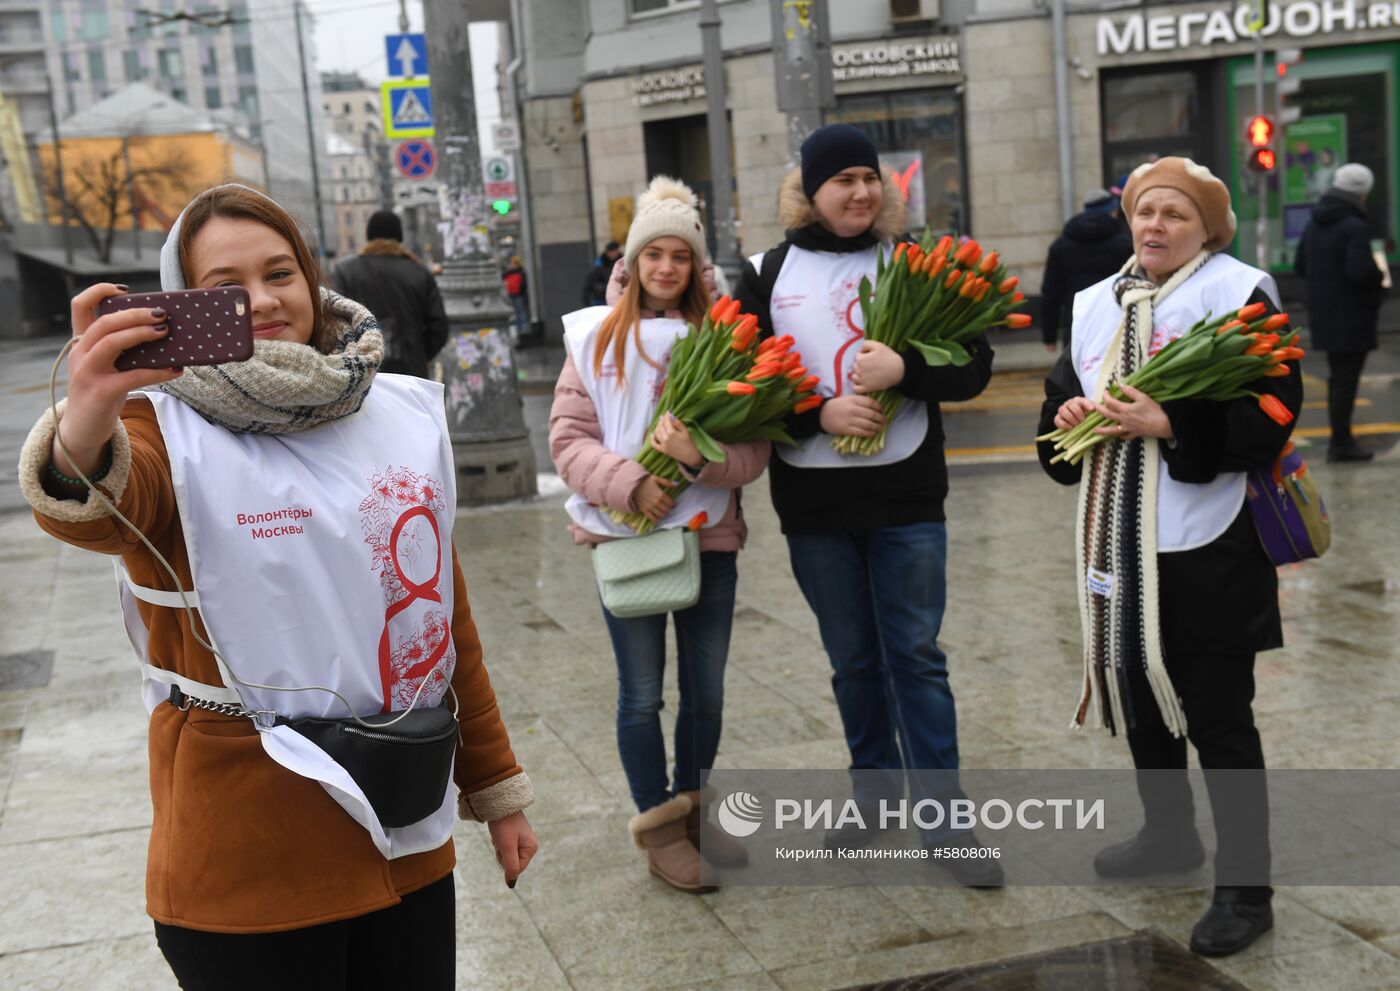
pixel 213 98
pixel 919 135
pixel 1348 103
pixel 243 59
pixel 1154 114
pixel 171 65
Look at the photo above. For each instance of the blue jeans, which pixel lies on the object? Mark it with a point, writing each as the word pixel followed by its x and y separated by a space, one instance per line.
pixel 522 313
pixel 879 597
pixel 702 645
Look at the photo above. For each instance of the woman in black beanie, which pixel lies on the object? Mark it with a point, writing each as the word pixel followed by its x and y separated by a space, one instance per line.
pixel 865 534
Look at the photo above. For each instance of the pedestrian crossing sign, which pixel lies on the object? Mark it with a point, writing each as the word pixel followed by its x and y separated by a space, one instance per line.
pixel 408 108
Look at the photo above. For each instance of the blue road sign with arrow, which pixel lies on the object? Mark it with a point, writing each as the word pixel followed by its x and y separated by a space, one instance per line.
pixel 407 54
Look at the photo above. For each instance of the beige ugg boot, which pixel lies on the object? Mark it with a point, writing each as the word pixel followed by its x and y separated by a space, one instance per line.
pixel 660 831
pixel 715 845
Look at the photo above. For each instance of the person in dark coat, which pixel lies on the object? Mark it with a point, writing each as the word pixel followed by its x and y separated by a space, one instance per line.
pixel 1344 297
pixel 595 287
pixel 1094 245
pixel 390 281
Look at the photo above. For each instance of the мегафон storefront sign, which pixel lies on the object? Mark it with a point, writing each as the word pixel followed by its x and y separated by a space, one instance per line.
pixel 864 60
pixel 1302 19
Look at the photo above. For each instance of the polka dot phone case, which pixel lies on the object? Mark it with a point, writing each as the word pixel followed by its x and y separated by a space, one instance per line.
pixel 207 327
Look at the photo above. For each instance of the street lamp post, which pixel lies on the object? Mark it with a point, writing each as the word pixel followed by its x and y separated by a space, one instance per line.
pixel 717 123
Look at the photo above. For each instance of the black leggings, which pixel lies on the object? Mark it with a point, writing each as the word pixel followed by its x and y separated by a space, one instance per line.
pixel 1343 380
pixel 409 945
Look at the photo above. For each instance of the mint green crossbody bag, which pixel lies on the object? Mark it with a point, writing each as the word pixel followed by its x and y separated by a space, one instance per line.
pixel 643 576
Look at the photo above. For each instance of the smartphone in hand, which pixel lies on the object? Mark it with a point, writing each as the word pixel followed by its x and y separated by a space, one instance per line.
pixel 207 327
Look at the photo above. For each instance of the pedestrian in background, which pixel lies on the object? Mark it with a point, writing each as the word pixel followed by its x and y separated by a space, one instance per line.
pixel 1345 289
pixel 516 287
pixel 402 294
pixel 265 857
pixel 596 284
pixel 866 534
pixel 603 404
pixel 1093 245
pixel 1177 595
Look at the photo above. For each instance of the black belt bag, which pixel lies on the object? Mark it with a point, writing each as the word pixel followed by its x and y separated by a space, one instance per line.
pixel 404 769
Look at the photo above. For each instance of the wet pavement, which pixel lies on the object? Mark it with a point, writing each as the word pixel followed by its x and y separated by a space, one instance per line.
pixel 74 812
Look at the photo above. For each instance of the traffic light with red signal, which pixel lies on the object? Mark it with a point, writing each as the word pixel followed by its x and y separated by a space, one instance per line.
pixel 1259 132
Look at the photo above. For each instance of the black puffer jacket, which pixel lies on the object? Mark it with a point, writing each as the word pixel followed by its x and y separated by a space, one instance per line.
pixel 1094 245
pixel 391 283
pixel 1344 282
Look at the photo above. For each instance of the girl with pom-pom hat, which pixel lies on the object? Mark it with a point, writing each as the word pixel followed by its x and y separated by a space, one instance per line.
pixel 603 404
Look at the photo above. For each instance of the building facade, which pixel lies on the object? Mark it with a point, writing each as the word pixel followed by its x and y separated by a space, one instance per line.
pixel 960 99
pixel 238 60
pixel 353 193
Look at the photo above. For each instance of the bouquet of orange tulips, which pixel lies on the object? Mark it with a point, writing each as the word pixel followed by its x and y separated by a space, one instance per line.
pixel 1215 359
pixel 934 298
pixel 726 388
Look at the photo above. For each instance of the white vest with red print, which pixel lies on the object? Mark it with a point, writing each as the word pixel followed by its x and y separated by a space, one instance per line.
pixel 319 558
pixel 1189 514
pixel 816 299
pixel 625 412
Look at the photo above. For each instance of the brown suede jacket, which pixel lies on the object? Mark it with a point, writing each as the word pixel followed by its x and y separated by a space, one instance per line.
pixel 238 843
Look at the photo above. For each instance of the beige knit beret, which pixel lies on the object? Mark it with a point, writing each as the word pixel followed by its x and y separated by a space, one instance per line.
pixel 1196 182
pixel 667 208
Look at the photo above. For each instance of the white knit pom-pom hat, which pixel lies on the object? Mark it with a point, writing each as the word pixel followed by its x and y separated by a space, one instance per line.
pixel 667 208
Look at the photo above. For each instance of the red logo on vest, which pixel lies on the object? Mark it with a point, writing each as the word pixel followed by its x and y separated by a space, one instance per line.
pixel 399 522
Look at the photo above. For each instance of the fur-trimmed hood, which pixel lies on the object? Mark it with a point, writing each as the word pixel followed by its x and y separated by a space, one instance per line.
pixel 387 247
pixel 796 211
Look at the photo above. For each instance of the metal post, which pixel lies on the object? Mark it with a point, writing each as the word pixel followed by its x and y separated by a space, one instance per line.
pixel 310 129
pixel 131 197
pixel 717 122
pixel 58 167
pixel 516 27
pixel 801 68
pixel 1062 113
pixel 1261 225
pixel 490 442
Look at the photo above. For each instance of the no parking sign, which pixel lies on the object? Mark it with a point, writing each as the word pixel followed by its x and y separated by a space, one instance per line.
pixel 415 159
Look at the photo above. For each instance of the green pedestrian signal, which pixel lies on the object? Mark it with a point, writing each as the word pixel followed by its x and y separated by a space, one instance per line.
pixel 501 206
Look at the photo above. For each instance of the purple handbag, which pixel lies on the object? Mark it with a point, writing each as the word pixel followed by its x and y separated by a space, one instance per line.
pixel 1288 511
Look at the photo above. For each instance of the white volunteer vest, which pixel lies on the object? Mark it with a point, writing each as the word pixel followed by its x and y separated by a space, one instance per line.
pixel 816 299
pixel 1189 515
pixel 624 413
pixel 319 558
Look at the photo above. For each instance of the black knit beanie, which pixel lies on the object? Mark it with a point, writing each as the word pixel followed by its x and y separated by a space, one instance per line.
pixel 832 148
pixel 384 224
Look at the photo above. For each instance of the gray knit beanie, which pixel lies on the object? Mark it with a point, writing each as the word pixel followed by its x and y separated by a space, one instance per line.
pixel 667 208
pixel 1354 178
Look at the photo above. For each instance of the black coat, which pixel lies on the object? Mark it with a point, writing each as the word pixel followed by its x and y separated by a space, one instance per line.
pixel 1344 282
pixel 595 286
pixel 1094 245
pixel 404 298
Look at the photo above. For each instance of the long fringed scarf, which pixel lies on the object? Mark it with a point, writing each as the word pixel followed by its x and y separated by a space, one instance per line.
pixel 1116 536
pixel 285 388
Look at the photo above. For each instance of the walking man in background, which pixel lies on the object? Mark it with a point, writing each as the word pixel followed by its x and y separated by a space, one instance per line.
pixel 394 285
pixel 1345 288
pixel 595 287
pixel 1094 245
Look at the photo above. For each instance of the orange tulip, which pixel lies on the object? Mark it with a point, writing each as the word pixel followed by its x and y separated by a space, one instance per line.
pixel 1292 353
pixel 1230 327
pixel 1018 321
pixel 731 312
pixel 1275 322
pixel 953 276
pixel 762 372
pixel 1008 284
pixel 1018 298
pixel 913 256
pixel 1258 349
pixel 968 254
pixel 808 384
pixel 899 250
pixel 810 402
pixel 1276 371
pixel 718 308
pixel 797 373
pixel 739 389
pixel 945 244
pixel 935 269
pixel 969 287
pixel 990 263
pixel 1251 312
pixel 982 291
pixel 698 520
pixel 1276 410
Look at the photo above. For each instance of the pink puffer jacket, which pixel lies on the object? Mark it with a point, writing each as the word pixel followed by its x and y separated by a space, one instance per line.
pixel 606 478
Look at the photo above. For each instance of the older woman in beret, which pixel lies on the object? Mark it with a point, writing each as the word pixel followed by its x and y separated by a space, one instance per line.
pixel 1177 595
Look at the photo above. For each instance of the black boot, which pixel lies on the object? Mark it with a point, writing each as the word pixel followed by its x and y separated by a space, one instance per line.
pixel 1152 854
pixel 969 871
pixel 1235 919
pixel 1348 452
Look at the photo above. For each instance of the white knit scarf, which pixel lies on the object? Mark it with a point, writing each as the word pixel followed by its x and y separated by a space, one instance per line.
pixel 287 387
pixel 1116 535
